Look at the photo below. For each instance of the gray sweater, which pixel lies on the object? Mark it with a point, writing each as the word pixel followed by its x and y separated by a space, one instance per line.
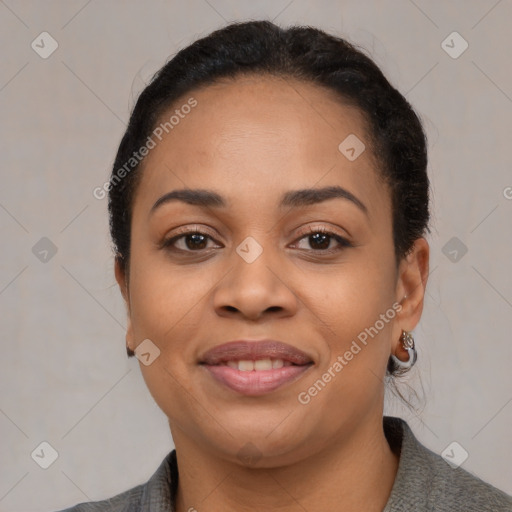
pixel 424 483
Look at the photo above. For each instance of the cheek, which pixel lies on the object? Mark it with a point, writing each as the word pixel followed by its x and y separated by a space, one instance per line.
pixel 165 302
pixel 350 382
pixel 358 315
pixel 172 306
pixel 353 298
pixel 164 298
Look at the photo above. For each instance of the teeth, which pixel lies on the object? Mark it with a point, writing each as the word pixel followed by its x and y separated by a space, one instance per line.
pixel 263 364
pixel 245 365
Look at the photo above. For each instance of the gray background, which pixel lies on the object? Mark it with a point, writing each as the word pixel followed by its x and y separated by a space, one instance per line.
pixel 64 374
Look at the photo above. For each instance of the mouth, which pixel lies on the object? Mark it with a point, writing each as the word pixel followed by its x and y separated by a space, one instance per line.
pixel 263 364
pixel 255 367
pixel 263 350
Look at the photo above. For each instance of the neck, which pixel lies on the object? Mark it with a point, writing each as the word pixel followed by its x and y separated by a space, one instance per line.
pixel 357 470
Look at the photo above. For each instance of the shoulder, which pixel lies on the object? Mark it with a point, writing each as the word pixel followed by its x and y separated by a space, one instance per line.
pixel 426 482
pixel 158 492
pixel 456 489
pixel 127 501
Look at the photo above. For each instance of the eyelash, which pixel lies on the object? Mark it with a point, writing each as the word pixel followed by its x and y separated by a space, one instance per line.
pixel 343 242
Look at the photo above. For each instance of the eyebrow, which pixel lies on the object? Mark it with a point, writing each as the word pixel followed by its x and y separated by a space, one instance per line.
pixel 291 199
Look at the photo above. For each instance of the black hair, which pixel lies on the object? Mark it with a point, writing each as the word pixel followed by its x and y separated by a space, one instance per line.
pixel 397 140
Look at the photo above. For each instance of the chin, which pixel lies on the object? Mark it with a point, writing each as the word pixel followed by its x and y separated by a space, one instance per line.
pixel 259 445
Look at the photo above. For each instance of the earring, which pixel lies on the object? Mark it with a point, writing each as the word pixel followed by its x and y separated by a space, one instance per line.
pixel 407 341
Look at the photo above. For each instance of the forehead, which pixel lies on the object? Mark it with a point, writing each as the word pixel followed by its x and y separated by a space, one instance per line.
pixel 259 136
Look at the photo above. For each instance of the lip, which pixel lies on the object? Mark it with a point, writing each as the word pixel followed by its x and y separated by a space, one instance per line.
pixel 255 382
pixel 254 350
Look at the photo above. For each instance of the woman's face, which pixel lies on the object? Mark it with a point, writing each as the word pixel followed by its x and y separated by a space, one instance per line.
pixel 260 269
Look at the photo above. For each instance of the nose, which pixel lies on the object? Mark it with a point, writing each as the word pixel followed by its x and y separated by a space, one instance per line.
pixel 255 289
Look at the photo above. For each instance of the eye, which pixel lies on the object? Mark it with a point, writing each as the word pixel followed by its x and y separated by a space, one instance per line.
pixel 195 240
pixel 189 240
pixel 320 239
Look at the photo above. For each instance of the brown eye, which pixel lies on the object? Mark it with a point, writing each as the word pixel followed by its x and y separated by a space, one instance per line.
pixel 188 241
pixel 320 239
pixel 194 241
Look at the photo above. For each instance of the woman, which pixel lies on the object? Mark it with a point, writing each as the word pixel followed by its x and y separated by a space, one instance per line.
pixel 268 206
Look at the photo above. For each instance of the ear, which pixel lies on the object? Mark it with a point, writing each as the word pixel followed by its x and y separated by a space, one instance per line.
pixel 410 291
pixel 122 281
